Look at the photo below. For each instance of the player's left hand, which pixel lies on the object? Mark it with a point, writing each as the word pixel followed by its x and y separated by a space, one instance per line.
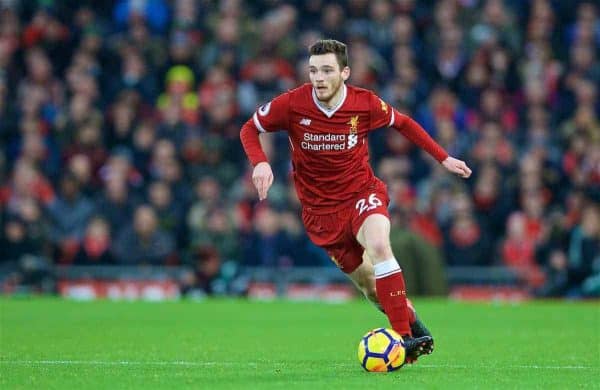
pixel 456 166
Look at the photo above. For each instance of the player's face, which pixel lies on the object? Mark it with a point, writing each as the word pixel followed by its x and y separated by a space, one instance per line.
pixel 326 76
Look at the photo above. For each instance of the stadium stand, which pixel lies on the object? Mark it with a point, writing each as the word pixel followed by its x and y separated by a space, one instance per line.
pixel 120 158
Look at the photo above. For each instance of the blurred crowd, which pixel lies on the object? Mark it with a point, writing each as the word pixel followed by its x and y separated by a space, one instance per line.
pixel 120 130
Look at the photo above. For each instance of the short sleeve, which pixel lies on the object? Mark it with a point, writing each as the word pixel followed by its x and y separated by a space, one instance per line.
pixel 273 116
pixel 382 115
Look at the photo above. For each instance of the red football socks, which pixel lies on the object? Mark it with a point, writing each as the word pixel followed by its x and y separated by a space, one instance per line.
pixel 391 292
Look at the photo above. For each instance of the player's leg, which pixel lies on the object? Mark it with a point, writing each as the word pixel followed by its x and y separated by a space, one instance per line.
pixel 364 279
pixel 362 275
pixel 337 237
pixel 373 235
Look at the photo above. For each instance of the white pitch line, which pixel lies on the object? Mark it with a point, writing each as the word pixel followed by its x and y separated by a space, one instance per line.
pixel 115 363
pixel 520 366
pixel 254 364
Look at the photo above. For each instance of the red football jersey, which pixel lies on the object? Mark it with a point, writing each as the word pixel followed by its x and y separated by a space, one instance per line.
pixel 330 153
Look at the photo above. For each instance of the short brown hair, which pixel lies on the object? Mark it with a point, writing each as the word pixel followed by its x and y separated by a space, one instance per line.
pixel 325 46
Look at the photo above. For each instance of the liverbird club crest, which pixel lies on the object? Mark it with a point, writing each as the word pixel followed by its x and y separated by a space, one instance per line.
pixel 353 137
pixel 353 122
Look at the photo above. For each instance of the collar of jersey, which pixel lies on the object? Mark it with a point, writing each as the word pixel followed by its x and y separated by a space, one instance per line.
pixel 329 111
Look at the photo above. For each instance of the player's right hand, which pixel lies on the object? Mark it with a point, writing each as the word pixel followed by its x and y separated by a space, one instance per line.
pixel 262 177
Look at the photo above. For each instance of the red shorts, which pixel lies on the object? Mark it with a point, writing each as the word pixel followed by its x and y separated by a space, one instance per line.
pixel 336 232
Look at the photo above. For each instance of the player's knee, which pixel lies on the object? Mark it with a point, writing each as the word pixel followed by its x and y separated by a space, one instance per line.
pixel 379 248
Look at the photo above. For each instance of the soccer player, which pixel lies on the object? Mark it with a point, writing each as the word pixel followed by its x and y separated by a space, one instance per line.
pixel 344 206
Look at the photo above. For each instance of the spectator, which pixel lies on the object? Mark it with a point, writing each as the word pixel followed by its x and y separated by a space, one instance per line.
pixel 37 226
pixel 573 273
pixel 226 49
pixel 69 214
pixel 144 138
pixel 169 212
pixel 81 168
pixel 95 246
pixel 204 279
pixel 179 103
pixel 301 251
pixel 467 243
pixel 89 143
pixel 422 262
pixel 16 244
pixel 518 252
pixel 23 263
pixel 218 232
pixel 122 122
pixel 265 245
pixel 143 242
pixel 491 202
pixel 135 75
pixel 155 12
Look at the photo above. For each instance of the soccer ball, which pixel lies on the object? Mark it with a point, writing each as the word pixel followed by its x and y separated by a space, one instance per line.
pixel 381 350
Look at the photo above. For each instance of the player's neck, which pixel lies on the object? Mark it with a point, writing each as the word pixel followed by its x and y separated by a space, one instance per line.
pixel 335 99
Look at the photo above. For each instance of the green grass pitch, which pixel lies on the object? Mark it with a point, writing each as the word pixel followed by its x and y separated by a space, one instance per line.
pixel 238 344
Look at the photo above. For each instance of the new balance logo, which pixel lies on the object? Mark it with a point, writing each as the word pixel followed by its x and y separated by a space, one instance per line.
pixel 305 122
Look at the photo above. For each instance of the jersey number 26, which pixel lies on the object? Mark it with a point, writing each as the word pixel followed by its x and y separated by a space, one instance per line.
pixel 368 204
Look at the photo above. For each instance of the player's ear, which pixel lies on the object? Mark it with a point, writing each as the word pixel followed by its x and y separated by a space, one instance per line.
pixel 345 73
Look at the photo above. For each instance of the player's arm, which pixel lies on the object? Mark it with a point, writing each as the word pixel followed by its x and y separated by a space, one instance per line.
pixel 414 132
pixel 262 175
pixel 383 115
pixel 270 117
